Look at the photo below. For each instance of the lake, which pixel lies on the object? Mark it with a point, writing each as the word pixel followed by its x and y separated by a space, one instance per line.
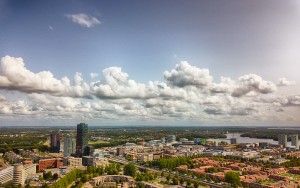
pixel 240 139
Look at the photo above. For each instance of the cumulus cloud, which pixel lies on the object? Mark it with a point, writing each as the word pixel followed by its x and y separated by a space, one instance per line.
pixel 84 20
pixel 225 86
pixel 94 75
pixel 252 82
pixel 15 76
pixel 116 84
pixel 285 82
pixel 19 107
pixel 185 74
pixel 187 92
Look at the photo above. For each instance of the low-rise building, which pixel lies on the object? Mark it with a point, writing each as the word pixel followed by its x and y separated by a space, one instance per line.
pixel 74 162
pixel 6 174
pixel 50 163
pixel 87 161
pixel 144 157
pixel 30 169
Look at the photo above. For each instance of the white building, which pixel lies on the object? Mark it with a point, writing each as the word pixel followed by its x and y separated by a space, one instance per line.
pixel 6 174
pixel 144 157
pixel 74 162
pixel 19 175
pixel 69 146
pixel 30 170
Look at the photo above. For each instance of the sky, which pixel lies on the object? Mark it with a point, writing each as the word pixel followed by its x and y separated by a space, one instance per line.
pixel 154 62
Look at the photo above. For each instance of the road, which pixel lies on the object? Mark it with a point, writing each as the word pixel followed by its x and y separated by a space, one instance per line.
pixel 123 161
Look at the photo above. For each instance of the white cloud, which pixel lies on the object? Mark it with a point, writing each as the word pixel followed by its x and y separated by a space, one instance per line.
pixel 94 75
pixel 252 82
pixel 186 75
pixel 187 93
pixel 285 82
pixel 15 76
pixel 116 84
pixel 84 20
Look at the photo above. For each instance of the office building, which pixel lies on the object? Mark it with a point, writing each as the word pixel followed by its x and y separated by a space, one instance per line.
pixel 233 141
pixel 88 150
pixel 87 161
pixel 30 170
pixel 74 162
pixel 171 138
pixel 69 146
pixel 81 139
pixel 121 151
pixel 50 163
pixel 145 157
pixel 295 141
pixel 55 142
pixel 19 175
pixel 6 174
pixel 282 140
pixel 263 144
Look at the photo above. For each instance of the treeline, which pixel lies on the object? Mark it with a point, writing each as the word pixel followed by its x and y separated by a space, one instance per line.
pixel 293 162
pixel 149 133
pixel 26 142
pixel 171 163
pixel 110 144
pixel 78 177
pixel 270 133
pixel 68 179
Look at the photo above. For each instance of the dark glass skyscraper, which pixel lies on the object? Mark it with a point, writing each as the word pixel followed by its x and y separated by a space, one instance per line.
pixel 81 139
pixel 55 141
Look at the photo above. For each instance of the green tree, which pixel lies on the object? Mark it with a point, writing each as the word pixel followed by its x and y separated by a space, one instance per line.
pixel 168 178
pixel 130 170
pixel 181 180
pixel 55 176
pixel 112 169
pixel 47 175
pixel 196 184
pixel 175 181
pixel 233 178
pixel 212 170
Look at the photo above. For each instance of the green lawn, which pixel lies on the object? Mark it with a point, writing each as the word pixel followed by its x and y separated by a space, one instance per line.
pixel 98 142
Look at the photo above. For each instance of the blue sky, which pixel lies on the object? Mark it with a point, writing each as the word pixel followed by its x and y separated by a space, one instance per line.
pixel 231 38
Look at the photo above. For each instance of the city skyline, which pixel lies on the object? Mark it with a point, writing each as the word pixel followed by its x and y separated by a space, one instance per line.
pixel 150 63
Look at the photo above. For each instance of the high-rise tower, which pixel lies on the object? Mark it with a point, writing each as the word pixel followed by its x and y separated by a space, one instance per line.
pixel 295 141
pixel 55 142
pixel 282 140
pixel 69 145
pixel 81 139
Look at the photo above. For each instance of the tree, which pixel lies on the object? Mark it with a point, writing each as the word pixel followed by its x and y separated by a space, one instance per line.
pixel 175 181
pixel 212 170
pixel 168 178
pixel 233 178
pixel 112 169
pixel 55 176
pixel 130 169
pixel 188 182
pixel 196 184
pixel 181 180
pixel 84 178
pixel 47 175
